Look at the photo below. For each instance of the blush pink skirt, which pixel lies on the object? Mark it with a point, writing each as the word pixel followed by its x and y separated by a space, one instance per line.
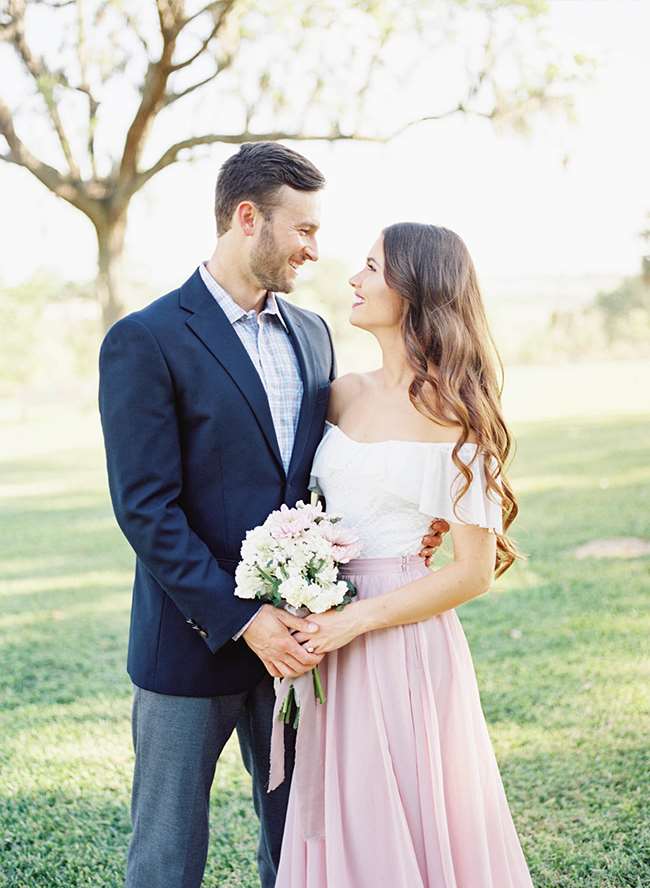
pixel 408 789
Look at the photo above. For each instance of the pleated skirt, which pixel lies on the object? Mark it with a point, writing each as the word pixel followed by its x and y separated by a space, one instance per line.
pixel 411 791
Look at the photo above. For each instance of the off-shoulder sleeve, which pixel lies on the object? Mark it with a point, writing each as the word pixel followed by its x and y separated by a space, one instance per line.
pixel 314 486
pixel 418 473
pixel 430 480
pixel 442 481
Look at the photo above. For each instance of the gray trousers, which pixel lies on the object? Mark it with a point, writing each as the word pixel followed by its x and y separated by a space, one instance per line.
pixel 177 742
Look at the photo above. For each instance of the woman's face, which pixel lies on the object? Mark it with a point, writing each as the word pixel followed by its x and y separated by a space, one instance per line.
pixel 375 304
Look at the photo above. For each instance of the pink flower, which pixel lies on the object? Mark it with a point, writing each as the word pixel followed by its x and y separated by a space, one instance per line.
pixel 345 542
pixel 286 523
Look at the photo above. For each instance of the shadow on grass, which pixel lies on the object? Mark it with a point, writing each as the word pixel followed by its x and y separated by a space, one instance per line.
pixel 61 660
pixel 52 839
pixel 588 826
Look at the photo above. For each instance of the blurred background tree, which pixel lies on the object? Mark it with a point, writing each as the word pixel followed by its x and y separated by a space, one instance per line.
pixel 96 110
pixel 615 324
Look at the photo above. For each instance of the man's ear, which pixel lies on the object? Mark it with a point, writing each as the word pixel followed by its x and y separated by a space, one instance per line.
pixel 246 216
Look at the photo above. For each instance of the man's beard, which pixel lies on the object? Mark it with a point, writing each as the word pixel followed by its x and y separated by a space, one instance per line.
pixel 267 265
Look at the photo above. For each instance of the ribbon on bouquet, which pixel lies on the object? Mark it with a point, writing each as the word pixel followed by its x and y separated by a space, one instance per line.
pixel 308 782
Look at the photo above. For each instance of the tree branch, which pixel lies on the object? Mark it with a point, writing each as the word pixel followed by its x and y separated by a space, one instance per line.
pixel 84 87
pixel 209 7
pixel 131 22
pixel 172 97
pixel 153 93
pixel 224 8
pixel 71 190
pixel 51 4
pixel 460 108
pixel 169 17
pixel 42 76
pixel 171 154
pixel 375 62
pixel 463 106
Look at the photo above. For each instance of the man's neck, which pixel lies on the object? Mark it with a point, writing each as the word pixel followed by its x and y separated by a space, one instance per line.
pixel 239 286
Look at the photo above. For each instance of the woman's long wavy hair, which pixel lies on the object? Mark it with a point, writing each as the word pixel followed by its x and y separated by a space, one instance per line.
pixel 452 353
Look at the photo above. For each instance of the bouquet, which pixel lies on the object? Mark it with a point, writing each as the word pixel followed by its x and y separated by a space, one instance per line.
pixel 291 561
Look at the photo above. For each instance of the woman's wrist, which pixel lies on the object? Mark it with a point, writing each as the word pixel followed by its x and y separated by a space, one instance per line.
pixel 364 613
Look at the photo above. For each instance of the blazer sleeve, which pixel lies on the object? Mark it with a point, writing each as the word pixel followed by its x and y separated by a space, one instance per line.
pixel 333 368
pixel 143 455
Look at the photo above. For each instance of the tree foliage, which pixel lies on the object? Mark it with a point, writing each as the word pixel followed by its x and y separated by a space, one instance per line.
pixel 615 324
pixel 108 94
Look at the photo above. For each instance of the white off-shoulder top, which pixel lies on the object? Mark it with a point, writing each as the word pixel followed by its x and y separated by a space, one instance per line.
pixel 388 491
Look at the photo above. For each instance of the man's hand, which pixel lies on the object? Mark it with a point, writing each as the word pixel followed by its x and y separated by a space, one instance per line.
pixel 269 637
pixel 431 541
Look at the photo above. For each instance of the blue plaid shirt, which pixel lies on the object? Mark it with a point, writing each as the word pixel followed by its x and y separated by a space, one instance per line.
pixel 266 339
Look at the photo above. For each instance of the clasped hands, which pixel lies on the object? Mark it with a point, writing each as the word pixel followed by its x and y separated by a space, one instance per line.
pixel 269 636
pixel 290 646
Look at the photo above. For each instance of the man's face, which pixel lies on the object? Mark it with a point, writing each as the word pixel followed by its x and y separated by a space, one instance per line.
pixel 286 240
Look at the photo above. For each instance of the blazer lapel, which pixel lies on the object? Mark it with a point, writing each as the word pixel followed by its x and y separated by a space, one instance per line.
pixel 215 331
pixel 305 354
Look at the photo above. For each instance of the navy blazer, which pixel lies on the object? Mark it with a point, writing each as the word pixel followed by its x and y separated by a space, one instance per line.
pixel 193 463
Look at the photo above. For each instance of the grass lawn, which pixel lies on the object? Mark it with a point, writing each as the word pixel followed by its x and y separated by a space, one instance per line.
pixel 560 647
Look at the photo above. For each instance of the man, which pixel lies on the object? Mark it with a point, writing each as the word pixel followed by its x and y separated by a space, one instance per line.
pixel 213 400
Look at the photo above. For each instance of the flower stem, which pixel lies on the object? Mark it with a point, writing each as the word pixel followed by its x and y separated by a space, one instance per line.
pixel 319 693
pixel 286 710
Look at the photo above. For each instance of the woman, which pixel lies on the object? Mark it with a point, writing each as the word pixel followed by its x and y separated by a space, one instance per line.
pixel 404 789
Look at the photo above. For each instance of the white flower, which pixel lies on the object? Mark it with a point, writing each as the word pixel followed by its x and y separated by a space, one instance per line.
pixel 257 545
pixel 295 591
pixel 328 597
pixel 247 581
pixel 316 544
pixel 327 575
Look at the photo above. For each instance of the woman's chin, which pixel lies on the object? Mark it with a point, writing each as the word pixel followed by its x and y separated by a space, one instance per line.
pixel 356 319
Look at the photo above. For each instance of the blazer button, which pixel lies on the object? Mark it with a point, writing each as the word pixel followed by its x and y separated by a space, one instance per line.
pixel 203 633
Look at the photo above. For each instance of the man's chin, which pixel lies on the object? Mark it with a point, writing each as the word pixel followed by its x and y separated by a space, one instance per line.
pixel 281 287
pixel 275 286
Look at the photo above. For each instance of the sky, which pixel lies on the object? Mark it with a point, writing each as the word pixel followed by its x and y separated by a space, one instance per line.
pixel 570 200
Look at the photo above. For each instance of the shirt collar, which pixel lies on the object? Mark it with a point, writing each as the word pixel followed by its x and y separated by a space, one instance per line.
pixel 230 308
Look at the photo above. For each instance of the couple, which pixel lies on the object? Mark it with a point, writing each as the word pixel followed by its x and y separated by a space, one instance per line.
pixel 219 403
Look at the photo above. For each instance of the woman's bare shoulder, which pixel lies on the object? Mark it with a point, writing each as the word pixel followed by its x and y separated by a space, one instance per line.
pixel 344 390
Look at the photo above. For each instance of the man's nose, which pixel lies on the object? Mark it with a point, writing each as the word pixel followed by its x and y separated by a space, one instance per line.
pixel 311 251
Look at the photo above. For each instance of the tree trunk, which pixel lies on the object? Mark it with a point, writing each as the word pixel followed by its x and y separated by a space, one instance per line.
pixel 110 246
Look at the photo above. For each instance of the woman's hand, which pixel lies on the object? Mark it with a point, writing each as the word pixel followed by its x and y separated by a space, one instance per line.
pixel 336 629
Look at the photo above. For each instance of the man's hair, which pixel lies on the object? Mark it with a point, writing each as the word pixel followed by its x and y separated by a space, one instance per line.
pixel 256 173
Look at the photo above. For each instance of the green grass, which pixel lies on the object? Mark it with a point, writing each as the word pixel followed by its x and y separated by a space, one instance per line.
pixel 565 694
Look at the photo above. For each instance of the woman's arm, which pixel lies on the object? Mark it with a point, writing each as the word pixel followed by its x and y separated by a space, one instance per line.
pixel 468 576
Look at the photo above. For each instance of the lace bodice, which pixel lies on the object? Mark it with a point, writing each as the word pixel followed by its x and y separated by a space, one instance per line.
pixel 389 491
